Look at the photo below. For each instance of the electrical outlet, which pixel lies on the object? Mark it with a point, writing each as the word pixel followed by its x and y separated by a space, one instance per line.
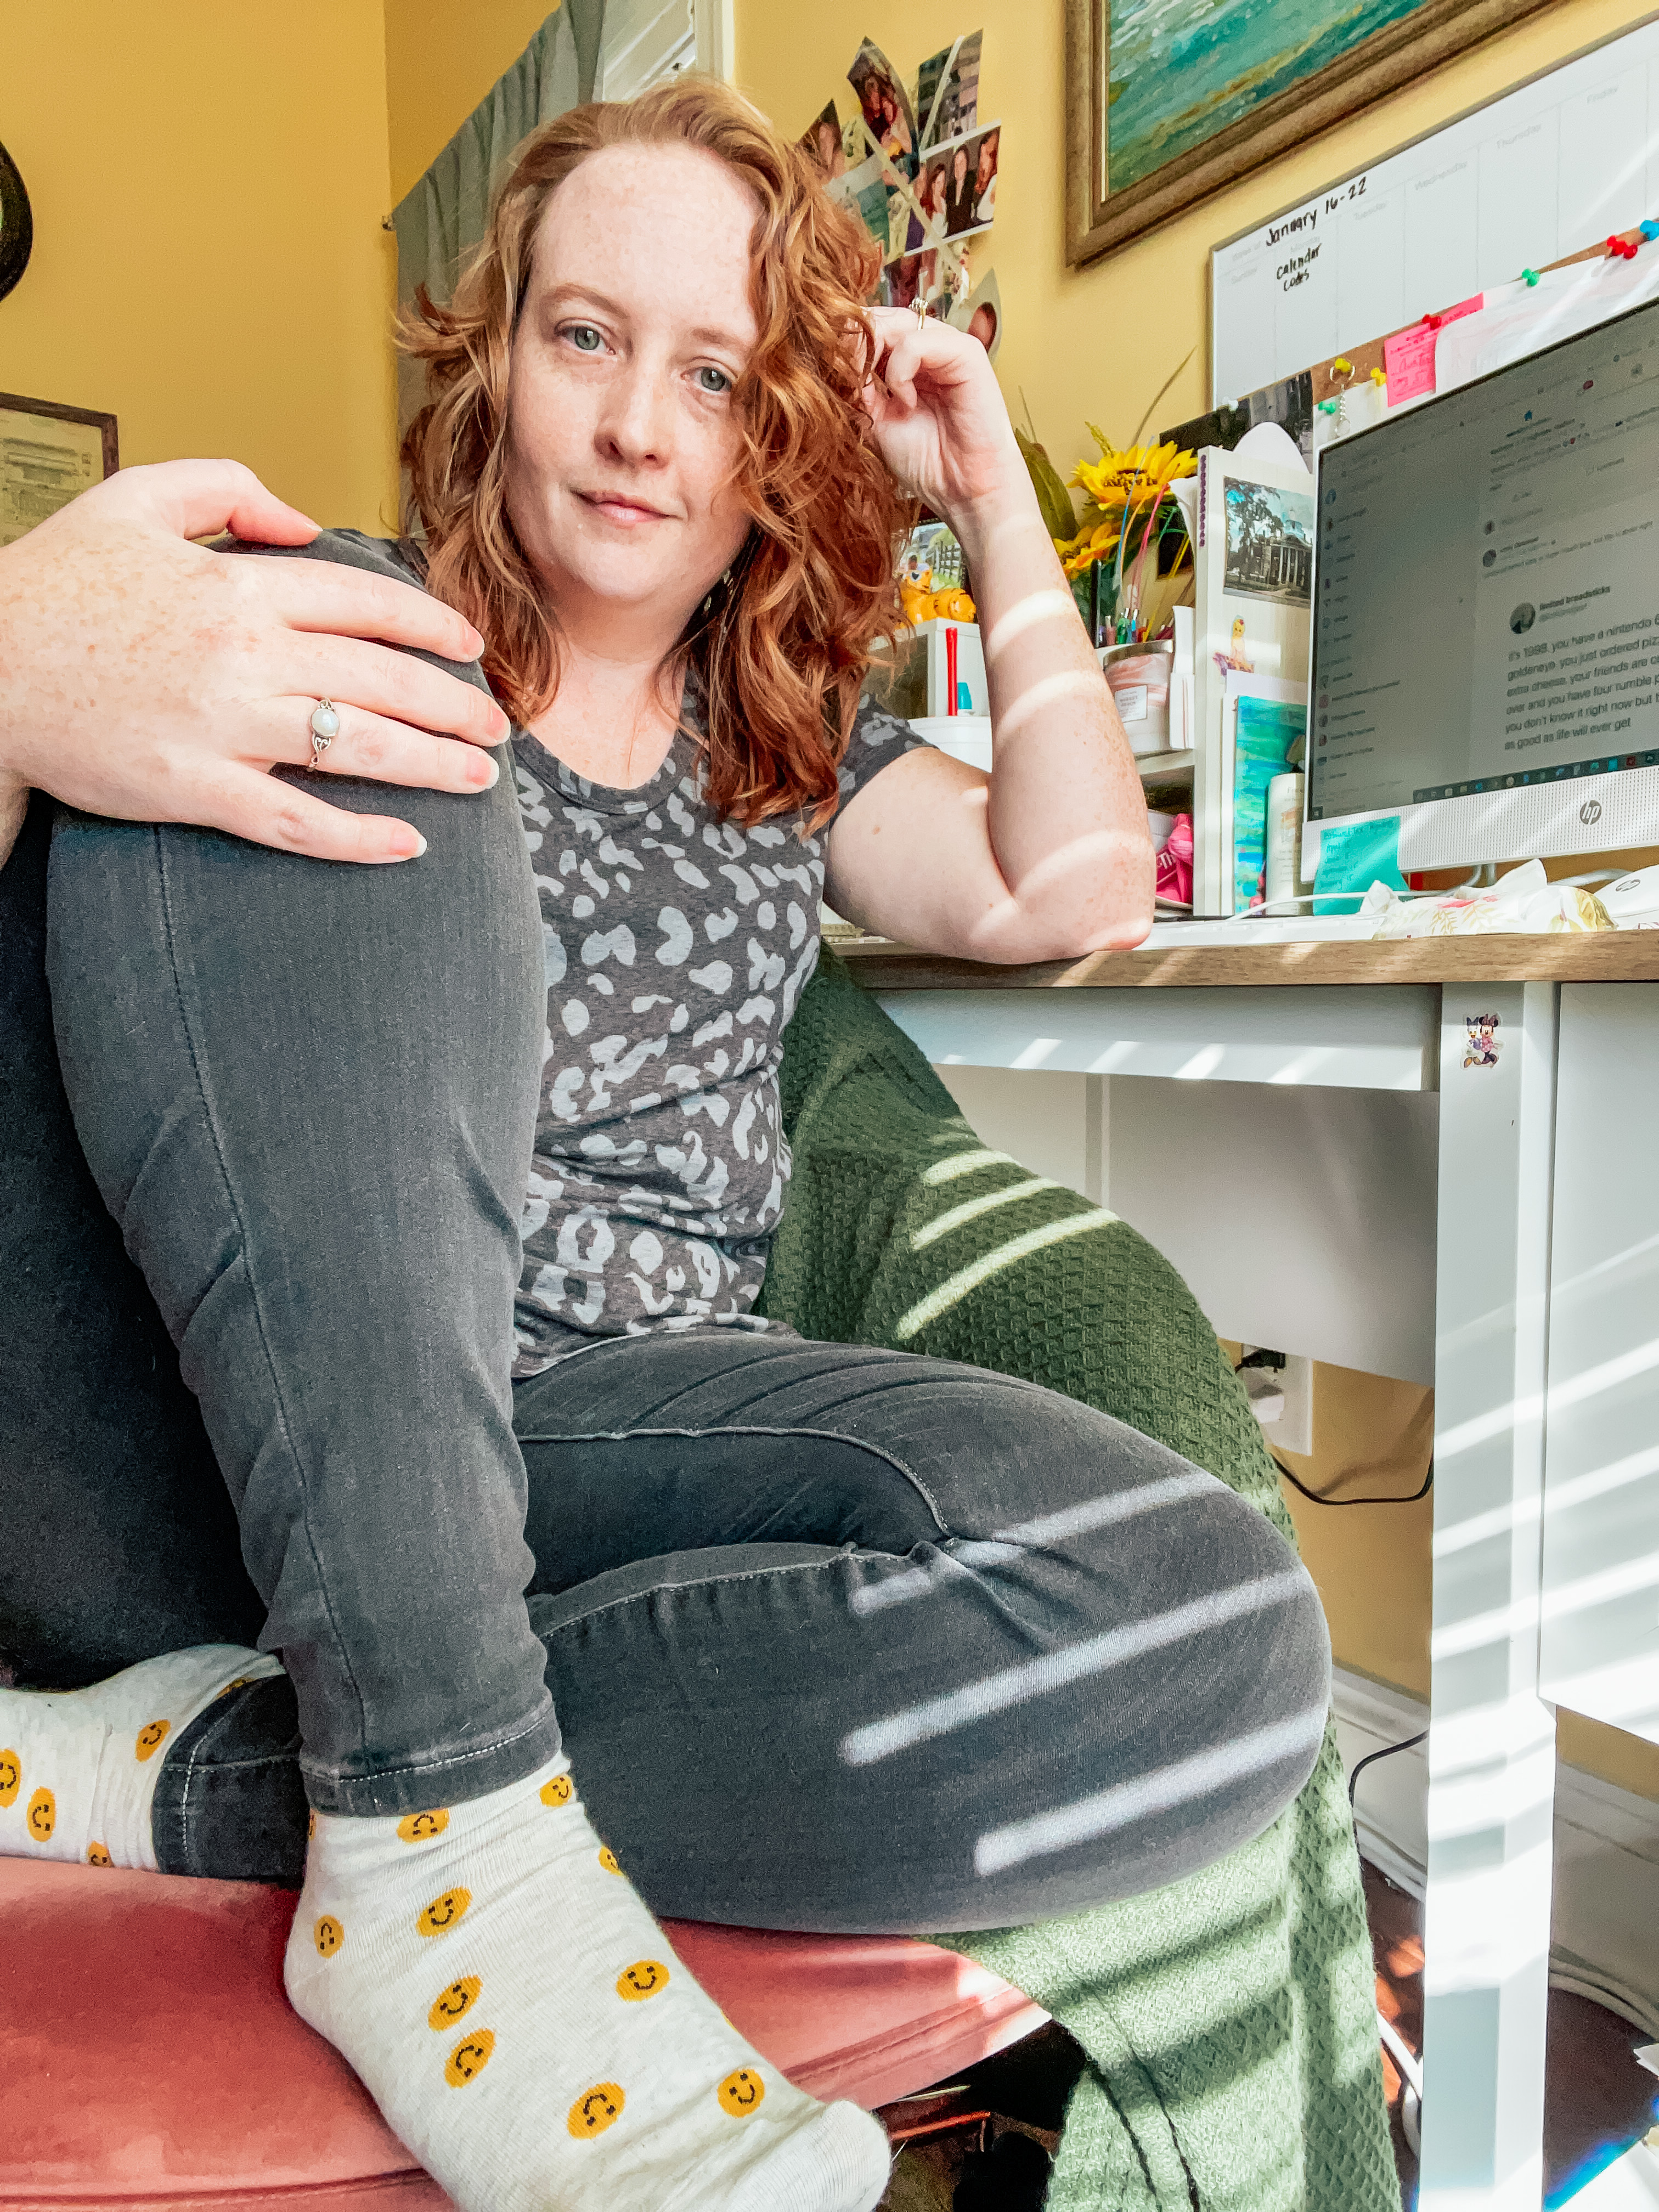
pixel 1293 1431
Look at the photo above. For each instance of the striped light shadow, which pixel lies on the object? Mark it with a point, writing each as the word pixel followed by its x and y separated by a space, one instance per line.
pixel 1055 1670
pixel 971 1208
pixel 1005 1544
pixel 962 1164
pixel 1204 1775
pixel 955 1287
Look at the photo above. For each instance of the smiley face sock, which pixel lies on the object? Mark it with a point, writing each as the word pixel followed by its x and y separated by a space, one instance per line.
pixel 518 2016
pixel 78 1767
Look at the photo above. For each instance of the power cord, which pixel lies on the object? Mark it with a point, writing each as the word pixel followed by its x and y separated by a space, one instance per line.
pixel 1408 1743
pixel 1318 1498
pixel 1273 1361
pixel 1408 2065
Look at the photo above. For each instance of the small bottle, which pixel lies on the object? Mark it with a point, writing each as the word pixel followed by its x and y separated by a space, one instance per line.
pixel 1284 841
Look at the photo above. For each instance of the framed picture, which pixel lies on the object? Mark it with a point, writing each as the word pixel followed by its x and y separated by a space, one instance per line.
pixel 1169 100
pixel 48 454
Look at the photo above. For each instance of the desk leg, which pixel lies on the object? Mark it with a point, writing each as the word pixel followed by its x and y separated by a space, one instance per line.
pixel 1491 1738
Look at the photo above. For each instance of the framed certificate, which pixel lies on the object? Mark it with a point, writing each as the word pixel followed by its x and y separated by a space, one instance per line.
pixel 49 453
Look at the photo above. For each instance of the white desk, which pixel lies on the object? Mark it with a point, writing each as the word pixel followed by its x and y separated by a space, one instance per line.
pixel 1545 1369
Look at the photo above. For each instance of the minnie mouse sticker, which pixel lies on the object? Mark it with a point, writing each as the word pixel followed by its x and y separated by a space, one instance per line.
pixel 1480 1047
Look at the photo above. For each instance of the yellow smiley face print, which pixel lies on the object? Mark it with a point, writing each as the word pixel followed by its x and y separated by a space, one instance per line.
pixel 608 1860
pixel 596 2110
pixel 468 2060
pixel 41 1817
pixel 328 1936
pixel 453 2004
pixel 420 1827
pixel 11 1776
pixel 740 2093
pixel 441 1915
pixel 642 1980
pixel 150 1738
pixel 97 1854
pixel 559 1791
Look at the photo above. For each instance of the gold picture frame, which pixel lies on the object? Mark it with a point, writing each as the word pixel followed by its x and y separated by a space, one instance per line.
pixel 1098 219
pixel 49 455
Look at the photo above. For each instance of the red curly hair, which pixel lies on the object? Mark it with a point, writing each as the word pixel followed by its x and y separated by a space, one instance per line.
pixel 781 658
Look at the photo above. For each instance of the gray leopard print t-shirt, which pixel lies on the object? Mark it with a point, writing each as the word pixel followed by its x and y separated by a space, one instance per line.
pixel 677 946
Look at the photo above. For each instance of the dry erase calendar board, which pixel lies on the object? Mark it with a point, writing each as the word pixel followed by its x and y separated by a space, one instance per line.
pixel 1541 171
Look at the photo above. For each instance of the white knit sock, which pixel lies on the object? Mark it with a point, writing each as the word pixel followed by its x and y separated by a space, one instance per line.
pixel 516 2014
pixel 78 1767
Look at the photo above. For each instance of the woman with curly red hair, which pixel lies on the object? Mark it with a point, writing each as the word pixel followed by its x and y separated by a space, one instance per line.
pixel 454 1185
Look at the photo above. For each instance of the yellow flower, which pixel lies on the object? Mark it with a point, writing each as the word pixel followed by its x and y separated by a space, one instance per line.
pixel 1139 476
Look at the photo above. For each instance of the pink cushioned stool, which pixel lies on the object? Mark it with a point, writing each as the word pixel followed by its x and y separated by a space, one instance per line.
pixel 149 2056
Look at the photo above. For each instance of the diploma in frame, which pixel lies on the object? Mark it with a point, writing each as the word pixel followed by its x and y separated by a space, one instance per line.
pixel 48 454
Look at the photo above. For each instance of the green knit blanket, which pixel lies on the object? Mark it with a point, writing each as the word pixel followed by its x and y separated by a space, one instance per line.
pixel 1229 2018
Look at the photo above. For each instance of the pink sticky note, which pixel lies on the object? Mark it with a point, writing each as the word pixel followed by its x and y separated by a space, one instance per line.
pixel 1408 356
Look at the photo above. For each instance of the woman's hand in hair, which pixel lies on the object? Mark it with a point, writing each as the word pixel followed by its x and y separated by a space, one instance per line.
pixel 1049 856
pixel 940 420
pixel 146 677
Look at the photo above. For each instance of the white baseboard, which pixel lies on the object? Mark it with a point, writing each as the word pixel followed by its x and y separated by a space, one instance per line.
pixel 1606 1920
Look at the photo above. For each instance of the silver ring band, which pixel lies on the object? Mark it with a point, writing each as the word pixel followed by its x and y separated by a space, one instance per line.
pixel 325 728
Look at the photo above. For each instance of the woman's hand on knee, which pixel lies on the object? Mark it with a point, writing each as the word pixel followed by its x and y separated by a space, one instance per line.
pixel 145 678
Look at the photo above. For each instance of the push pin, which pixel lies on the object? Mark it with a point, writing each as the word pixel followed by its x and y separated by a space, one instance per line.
pixel 1530 276
pixel 1650 229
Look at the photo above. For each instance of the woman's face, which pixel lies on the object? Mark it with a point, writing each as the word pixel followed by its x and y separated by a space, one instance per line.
pixel 959 164
pixel 622 436
pixel 988 160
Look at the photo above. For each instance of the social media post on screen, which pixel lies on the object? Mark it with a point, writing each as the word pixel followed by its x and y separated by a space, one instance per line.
pixel 1566 649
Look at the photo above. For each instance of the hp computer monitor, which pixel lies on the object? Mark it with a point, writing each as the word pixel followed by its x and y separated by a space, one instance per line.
pixel 1485 632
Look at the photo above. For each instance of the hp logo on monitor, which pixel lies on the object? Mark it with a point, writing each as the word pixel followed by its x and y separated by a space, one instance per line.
pixel 1591 811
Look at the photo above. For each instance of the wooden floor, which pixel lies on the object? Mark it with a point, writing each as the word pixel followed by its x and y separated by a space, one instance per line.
pixel 1597 2101
pixel 980 2143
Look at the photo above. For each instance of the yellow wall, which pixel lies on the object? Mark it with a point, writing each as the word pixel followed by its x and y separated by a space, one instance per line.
pixel 441 60
pixel 1097 344
pixel 208 183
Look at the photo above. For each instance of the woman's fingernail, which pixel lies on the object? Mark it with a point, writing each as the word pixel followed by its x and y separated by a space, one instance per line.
pixel 486 771
pixel 414 851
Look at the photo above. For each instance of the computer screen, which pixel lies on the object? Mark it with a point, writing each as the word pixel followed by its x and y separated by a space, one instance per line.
pixel 1486 591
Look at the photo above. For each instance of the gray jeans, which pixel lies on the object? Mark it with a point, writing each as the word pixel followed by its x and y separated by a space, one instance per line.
pixel 839 1638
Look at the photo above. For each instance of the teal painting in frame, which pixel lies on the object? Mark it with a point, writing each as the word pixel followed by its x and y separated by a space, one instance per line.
pixel 1169 100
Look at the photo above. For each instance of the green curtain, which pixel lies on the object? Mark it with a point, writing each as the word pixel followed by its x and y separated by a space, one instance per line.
pixel 442 216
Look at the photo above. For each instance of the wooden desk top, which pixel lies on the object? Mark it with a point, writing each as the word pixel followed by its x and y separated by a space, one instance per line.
pixel 1602 956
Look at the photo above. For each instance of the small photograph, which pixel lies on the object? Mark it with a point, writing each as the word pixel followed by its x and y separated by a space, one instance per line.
pixel 1523 618
pixel 1269 542
pixel 1289 402
pixel 821 144
pixel 901 282
pixel 864 189
pixel 969 171
pixel 947 92
pixel 980 313
pixel 886 106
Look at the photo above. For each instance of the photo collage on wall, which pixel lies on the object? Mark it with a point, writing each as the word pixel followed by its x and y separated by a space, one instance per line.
pixel 919 172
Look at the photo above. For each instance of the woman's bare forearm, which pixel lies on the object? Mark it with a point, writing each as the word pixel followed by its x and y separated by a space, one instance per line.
pixel 1066 814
